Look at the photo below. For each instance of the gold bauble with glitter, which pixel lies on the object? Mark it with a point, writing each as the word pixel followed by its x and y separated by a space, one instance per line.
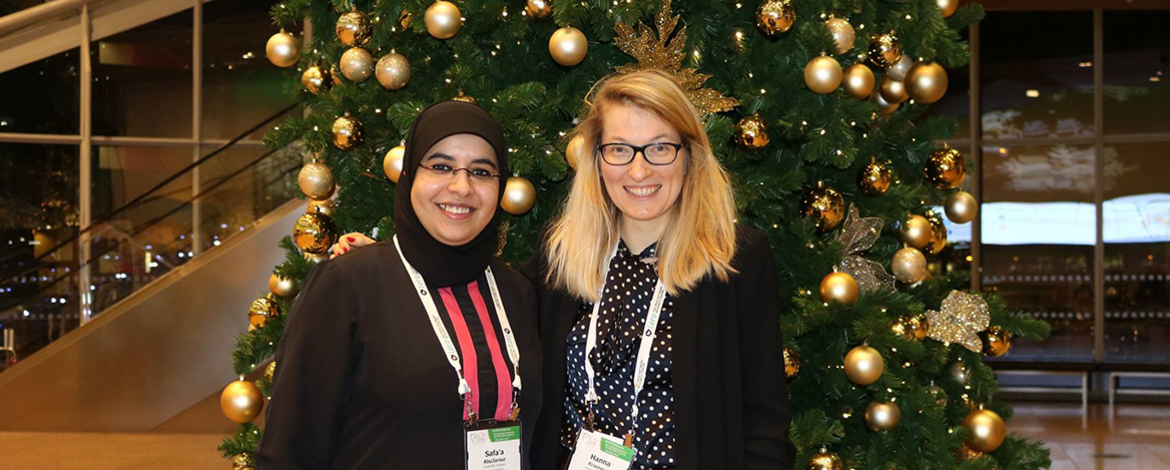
pixel 858 81
pixel 946 168
pixel 242 461
pixel 261 310
pixel 915 232
pixel 354 29
pixel 443 19
pixel 825 461
pixel 357 64
pixel 825 206
pixel 842 33
pixel 996 341
pixel 985 430
pixel 538 9
pixel 947 7
pixel 908 265
pixel 568 46
pixel 823 74
pixel 575 152
pixel 864 365
pixel 885 50
pixel 314 233
pixel 241 401
pixel 392 162
pixel 875 177
pixel 911 327
pixel 775 16
pixel 751 133
pixel 938 233
pixel 393 71
pixel 926 82
pixel 283 287
pixel 347 133
pixel 893 91
pixel 839 287
pixel 316 79
pixel 283 49
pixel 791 362
pixel 882 416
pixel 316 181
pixel 961 207
pixel 519 196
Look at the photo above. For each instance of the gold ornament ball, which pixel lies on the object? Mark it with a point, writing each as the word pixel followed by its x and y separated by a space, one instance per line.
pixel 283 287
pixel 938 233
pixel 875 178
pixel 392 162
pixel 241 401
pixel 967 453
pixel 316 181
pixel 324 206
pixel 354 29
pixel 443 19
pixel 882 416
pixel 568 46
pixel 961 207
pixel 283 49
pixel 393 71
pixel 985 430
pixel 791 362
pixel 357 64
pixel 858 81
pixel 751 133
pixel 315 257
pixel 946 168
pixel 575 152
pixel 996 341
pixel 926 82
pixel 909 265
pixel 839 287
pixel 775 16
pixel 314 233
pixel 270 371
pixel 825 461
pixel 947 7
pixel 538 9
pixel 864 365
pixel 915 231
pixel 893 91
pixel 885 107
pixel 825 205
pixel 347 133
pixel 464 98
pixel 911 327
pixel 898 70
pixel 519 196
pixel 842 33
pixel 823 74
pixel 316 79
pixel 242 461
pixel 261 310
pixel 959 373
pixel 885 50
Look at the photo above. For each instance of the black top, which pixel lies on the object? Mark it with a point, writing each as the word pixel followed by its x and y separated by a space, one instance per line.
pixel 362 382
pixel 731 402
pixel 625 304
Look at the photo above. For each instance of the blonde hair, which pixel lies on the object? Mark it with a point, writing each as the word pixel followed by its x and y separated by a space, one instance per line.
pixel 700 236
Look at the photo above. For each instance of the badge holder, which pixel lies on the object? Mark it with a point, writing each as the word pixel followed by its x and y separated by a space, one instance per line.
pixel 489 444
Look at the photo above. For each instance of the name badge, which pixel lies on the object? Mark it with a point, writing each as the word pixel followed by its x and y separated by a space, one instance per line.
pixel 597 451
pixel 493 445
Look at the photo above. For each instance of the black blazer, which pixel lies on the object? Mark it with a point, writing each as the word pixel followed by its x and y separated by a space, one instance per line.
pixel 731 401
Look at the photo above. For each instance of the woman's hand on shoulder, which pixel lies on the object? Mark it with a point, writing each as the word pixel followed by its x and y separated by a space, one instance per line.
pixel 348 242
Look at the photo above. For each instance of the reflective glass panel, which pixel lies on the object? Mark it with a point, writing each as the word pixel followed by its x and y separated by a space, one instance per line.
pixel 42 97
pixel 1137 61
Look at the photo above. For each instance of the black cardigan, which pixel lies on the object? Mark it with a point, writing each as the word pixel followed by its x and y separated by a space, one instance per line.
pixel 731 400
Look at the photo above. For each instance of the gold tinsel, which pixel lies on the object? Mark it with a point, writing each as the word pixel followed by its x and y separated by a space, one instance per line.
pixel 857 235
pixel 654 51
pixel 962 317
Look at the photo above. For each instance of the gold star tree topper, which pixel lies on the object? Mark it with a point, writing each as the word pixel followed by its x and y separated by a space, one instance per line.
pixel 663 52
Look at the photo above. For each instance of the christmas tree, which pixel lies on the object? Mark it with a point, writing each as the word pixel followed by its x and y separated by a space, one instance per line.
pixel 818 108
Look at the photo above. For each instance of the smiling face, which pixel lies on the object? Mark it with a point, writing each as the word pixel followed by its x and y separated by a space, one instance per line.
pixel 455 208
pixel 641 191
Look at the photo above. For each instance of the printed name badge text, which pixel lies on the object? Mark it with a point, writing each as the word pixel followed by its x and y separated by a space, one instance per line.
pixel 597 451
pixel 494 448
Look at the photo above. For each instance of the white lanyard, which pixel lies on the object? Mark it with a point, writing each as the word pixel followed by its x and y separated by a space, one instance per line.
pixel 428 302
pixel 649 333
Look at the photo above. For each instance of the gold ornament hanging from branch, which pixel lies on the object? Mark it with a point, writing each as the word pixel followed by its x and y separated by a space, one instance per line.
pixel 946 168
pixel 875 177
pixel 842 33
pixel 241 401
pixel 839 287
pixel 392 162
pixel 314 233
pixel 908 265
pixel 911 327
pixel 283 49
pixel 864 365
pixel 938 233
pixel 261 310
pixel 791 362
pixel 443 19
pixel 316 181
pixel 283 287
pixel 915 232
pixel 825 460
pixel 926 82
pixel 960 320
pixel 353 28
pixel 393 71
pixel 996 341
pixel 858 81
pixel 885 50
pixel 465 98
pixel 882 416
pixel 961 207
pixel 357 64
pixel 825 206
pixel 775 17
pixel 568 46
pixel 519 196
pixel 666 51
pixel 242 461
pixel 985 430
pixel 575 152
pixel 822 74
pixel 538 9
pixel 751 133
pixel 347 133
pixel 316 79
pixel 857 235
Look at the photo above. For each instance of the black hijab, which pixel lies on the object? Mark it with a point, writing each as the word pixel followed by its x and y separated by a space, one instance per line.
pixel 440 264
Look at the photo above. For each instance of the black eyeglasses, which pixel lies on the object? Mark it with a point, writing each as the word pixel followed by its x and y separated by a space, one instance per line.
pixel 655 153
pixel 478 175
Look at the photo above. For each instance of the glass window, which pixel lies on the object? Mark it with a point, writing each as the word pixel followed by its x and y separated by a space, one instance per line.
pixel 1136 226
pixel 1036 74
pixel 142 80
pixel 240 185
pixel 42 97
pixel 1137 60
pixel 1038 235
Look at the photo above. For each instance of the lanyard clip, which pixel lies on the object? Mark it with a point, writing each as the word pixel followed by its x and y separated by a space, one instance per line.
pixel 515 413
pixel 472 416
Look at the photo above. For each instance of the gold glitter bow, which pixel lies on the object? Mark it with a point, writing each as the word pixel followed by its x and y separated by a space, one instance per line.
pixel 857 235
pixel 962 317
pixel 655 51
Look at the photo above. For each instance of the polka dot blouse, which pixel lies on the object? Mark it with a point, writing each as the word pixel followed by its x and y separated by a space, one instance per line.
pixel 625 304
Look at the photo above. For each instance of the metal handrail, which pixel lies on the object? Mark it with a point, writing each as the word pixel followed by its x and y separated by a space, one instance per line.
pixel 28 16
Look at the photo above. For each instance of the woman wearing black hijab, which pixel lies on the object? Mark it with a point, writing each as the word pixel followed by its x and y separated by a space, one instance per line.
pixel 393 351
